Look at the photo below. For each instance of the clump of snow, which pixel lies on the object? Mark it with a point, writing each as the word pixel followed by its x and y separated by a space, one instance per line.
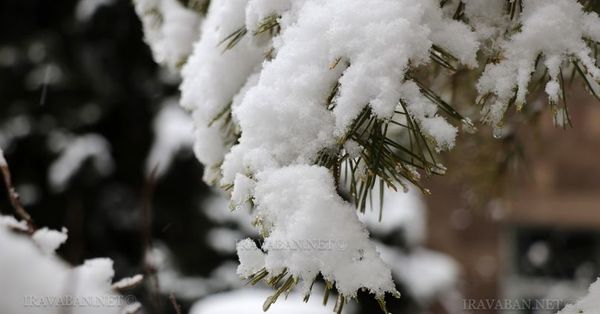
pixel 252 259
pixel 300 203
pixel 212 77
pixel 284 118
pixel 42 283
pixel 173 131
pixel 12 223
pixel 128 282
pixel 49 240
pixel 75 151
pixel 590 304
pixel 554 29
pixel 424 112
pixel 243 189
pixel 488 19
pixel 170 30
pixel 258 10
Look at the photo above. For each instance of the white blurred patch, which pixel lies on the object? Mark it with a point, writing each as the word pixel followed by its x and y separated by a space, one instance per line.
pixel 400 211
pixel 86 8
pixel 173 131
pixel 74 152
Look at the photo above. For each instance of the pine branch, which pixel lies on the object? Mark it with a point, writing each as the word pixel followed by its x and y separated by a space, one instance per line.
pixel 269 25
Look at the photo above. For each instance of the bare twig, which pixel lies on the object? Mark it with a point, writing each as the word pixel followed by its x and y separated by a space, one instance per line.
pixel 176 306
pixel 146 232
pixel 13 196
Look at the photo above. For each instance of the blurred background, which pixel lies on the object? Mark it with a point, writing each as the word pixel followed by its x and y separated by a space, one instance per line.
pixel 86 116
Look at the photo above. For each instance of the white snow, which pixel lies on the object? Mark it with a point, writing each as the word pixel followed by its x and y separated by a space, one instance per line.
pixel 252 259
pixel 170 30
pixel 299 204
pixel 284 118
pixel 212 77
pixel 42 283
pixel 556 29
pixel 75 151
pixel 590 304
pixel 49 240
pixel 12 223
pixel 173 132
pixel 243 189
pixel 128 282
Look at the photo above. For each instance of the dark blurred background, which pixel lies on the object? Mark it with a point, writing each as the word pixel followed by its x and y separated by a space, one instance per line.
pixel 78 72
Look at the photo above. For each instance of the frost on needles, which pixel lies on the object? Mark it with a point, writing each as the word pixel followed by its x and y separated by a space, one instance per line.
pixel 302 107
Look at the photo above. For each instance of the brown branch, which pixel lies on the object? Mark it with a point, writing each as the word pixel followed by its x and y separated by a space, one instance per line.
pixel 13 196
pixel 176 306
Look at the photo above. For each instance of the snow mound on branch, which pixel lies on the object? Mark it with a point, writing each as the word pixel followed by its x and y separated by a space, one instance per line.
pixel 213 76
pixel 311 230
pixel 365 46
pixel 170 30
pixel 589 304
pixel 555 29
pixel 49 240
pixel 11 222
pixel 39 282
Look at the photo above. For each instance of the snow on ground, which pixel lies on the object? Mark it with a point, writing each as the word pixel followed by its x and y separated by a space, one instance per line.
pixel 250 301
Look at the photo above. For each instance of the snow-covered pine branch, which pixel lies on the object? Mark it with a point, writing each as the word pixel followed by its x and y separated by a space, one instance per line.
pixel 298 103
pixel 36 280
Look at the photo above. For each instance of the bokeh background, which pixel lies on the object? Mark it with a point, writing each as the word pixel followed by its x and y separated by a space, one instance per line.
pixel 97 144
